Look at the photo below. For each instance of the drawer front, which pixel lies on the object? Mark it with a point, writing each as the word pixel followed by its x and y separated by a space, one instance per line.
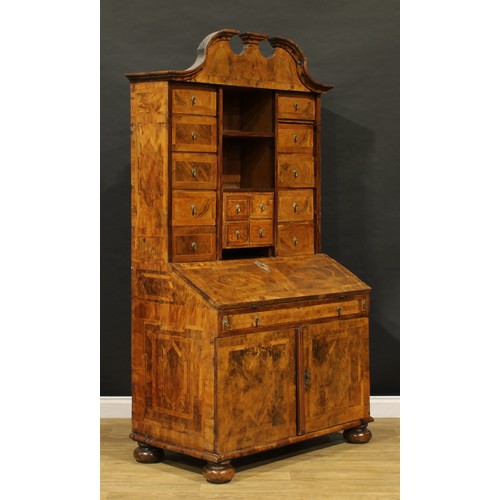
pixel 236 234
pixel 194 133
pixel 296 107
pixel 194 171
pixel 261 232
pixel 193 208
pixel 236 206
pixel 295 171
pixel 295 138
pixel 295 239
pixel 261 205
pixel 193 244
pixel 295 315
pixel 295 205
pixel 193 101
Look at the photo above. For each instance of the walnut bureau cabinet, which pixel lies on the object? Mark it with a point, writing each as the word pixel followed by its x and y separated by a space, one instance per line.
pixel 244 336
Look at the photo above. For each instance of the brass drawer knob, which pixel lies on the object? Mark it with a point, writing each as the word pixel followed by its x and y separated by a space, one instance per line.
pixel 257 321
pixel 238 234
pixel 295 241
pixel 193 100
pixel 194 172
pixel 339 310
pixel 262 206
pixel 225 323
pixel 295 207
pixel 261 232
pixel 295 137
pixel 296 106
pixel 295 173
pixel 193 246
pixel 238 208
pixel 193 135
pixel 193 209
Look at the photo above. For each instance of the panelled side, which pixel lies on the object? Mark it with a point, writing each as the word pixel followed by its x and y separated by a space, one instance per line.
pixel 172 363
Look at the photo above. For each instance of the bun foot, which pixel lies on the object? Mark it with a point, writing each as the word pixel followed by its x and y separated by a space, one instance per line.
pixel 360 434
pixel 218 473
pixel 146 454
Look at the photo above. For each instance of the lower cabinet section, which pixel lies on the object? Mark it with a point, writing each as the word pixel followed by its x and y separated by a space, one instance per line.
pixel 274 385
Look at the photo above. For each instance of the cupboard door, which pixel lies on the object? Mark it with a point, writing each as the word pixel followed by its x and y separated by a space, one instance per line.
pixel 336 387
pixel 256 389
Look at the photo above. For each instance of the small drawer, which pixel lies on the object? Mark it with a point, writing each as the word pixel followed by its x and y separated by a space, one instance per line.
pixel 236 206
pixel 194 133
pixel 295 239
pixel 194 171
pixel 295 171
pixel 194 101
pixel 261 205
pixel 296 107
pixel 236 234
pixel 193 244
pixel 295 138
pixel 295 205
pixel 261 232
pixel 193 208
pixel 293 315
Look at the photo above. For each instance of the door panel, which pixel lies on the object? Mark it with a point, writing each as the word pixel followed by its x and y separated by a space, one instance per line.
pixel 336 373
pixel 256 389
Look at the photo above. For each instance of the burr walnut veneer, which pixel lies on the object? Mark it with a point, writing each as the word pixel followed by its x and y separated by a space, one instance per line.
pixel 244 336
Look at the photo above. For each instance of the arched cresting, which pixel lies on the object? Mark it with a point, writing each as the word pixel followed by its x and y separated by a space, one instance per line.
pixel 285 68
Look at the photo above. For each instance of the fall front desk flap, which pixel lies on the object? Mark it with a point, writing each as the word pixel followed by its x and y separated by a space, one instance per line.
pixel 270 280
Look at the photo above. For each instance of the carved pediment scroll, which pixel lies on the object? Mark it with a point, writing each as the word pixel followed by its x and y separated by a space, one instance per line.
pixel 217 63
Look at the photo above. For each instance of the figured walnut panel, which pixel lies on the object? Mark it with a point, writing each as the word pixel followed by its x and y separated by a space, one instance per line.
pixel 255 389
pixel 336 357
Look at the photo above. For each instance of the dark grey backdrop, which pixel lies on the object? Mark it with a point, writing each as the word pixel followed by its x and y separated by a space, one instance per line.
pixel 351 44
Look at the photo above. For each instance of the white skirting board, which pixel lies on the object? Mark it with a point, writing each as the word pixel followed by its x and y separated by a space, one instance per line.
pixel 121 407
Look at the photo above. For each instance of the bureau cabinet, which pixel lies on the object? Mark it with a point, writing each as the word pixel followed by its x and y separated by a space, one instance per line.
pixel 244 335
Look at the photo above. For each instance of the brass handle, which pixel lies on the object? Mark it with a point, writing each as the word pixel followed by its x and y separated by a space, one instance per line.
pixel 307 378
pixel 295 241
pixel 295 137
pixel 193 135
pixel 295 173
pixel 238 208
pixel 257 321
pixel 295 207
pixel 262 207
pixel 238 234
pixel 193 209
pixel 261 232
pixel 339 310
pixel 193 99
pixel 296 106
pixel 193 171
pixel 225 323
pixel 193 246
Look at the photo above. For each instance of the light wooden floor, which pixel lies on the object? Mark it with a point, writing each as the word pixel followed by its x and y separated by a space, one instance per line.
pixel 321 468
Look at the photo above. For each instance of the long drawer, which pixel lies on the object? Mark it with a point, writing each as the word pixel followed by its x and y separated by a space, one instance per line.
pixel 295 315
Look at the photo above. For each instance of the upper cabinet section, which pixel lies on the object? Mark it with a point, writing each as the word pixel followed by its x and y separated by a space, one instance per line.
pixel 217 63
